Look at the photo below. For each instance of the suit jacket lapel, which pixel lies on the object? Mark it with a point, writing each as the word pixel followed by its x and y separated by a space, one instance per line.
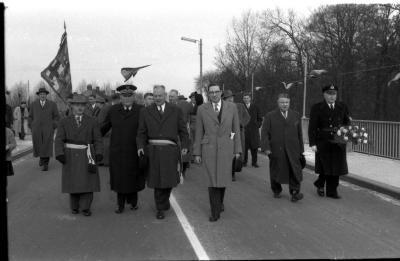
pixel 154 112
pixel 83 123
pixel 167 112
pixel 211 111
pixel 224 111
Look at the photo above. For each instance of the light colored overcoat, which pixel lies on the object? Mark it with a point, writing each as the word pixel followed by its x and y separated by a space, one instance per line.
pixel 214 144
pixel 18 120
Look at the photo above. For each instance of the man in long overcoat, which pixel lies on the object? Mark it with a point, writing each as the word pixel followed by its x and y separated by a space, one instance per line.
pixel 244 118
pixel 43 120
pixel 20 125
pixel 75 134
pixel 282 140
pixel 330 157
pixel 252 134
pixel 186 108
pixel 126 178
pixel 160 126
pixel 106 138
pixel 217 141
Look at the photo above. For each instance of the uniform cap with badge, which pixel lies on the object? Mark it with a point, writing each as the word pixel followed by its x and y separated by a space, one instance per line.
pixel 127 90
pixel 330 89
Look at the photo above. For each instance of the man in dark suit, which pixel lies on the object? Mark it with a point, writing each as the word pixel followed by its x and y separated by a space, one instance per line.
pixel 126 178
pixel 160 126
pixel 282 141
pixel 92 109
pixel 330 156
pixel 252 134
pixel 43 119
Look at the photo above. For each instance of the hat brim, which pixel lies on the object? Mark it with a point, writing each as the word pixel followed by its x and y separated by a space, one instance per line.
pixel 126 87
pixel 331 91
pixel 46 92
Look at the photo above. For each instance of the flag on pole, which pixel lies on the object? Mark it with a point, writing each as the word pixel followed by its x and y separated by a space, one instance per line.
pixel 58 74
pixel 128 72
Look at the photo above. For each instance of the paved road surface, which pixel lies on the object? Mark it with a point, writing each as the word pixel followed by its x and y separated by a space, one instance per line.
pixel 253 226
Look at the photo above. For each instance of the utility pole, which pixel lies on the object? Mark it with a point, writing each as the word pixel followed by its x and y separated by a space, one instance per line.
pixel 201 65
pixel 305 87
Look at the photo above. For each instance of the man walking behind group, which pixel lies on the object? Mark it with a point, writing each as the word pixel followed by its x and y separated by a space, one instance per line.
pixel 252 134
pixel 160 126
pixel 43 120
pixel 282 141
pixel 126 178
pixel 20 125
pixel 244 118
pixel 330 156
pixel 217 141
pixel 78 140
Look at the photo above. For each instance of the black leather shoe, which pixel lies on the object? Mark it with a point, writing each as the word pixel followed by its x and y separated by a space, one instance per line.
pixel 119 210
pixel 222 207
pixel 45 167
pixel 87 212
pixel 255 165
pixel 277 195
pixel 335 196
pixel 40 162
pixel 75 211
pixel 296 197
pixel 134 207
pixel 213 219
pixel 160 215
pixel 321 192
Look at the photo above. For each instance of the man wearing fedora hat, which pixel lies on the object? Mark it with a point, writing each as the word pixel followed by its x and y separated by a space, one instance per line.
pixel 126 176
pixel 244 118
pixel 43 119
pixel 92 109
pixel 78 143
pixel 330 157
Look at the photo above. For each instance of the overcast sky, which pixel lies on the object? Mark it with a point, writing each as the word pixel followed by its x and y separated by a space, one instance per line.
pixel 104 36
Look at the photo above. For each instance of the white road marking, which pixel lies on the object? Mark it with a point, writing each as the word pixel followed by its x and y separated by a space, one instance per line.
pixel 193 239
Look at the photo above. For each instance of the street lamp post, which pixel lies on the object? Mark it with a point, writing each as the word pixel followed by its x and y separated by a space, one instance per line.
pixel 305 87
pixel 201 57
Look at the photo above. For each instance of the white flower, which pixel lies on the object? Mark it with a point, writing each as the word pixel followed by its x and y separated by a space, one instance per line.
pixel 365 141
pixel 359 140
pixel 345 131
pixel 339 133
pixel 350 127
pixel 365 135
pixel 355 135
pixel 346 138
pixel 363 129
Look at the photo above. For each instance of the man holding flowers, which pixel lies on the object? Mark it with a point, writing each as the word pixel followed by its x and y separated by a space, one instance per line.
pixel 326 118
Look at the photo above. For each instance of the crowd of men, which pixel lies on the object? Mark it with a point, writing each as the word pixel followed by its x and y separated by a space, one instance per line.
pixel 156 143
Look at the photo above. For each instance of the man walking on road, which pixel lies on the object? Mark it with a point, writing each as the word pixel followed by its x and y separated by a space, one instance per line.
pixel 282 140
pixel 330 156
pixel 148 99
pixel 43 120
pixel 217 141
pixel 244 118
pixel 78 142
pixel 126 178
pixel 160 126
pixel 252 134
pixel 92 109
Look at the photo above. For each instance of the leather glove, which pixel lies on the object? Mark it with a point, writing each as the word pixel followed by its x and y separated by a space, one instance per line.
pixel 99 157
pixel 61 159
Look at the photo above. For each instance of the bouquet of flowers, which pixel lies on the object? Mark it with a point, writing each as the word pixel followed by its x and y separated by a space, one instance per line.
pixel 353 134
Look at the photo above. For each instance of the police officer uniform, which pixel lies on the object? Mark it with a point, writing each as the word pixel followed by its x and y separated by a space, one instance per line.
pixel 330 157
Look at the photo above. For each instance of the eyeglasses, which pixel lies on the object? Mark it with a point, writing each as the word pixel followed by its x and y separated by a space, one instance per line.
pixel 127 94
pixel 214 93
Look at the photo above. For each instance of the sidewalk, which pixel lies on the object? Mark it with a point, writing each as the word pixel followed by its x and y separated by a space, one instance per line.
pixel 23 147
pixel 376 173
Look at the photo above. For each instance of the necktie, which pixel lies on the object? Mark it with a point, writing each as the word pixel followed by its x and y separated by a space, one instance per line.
pixel 42 103
pixel 78 120
pixel 285 114
pixel 331 106
pixel 216 107
pixel 160 109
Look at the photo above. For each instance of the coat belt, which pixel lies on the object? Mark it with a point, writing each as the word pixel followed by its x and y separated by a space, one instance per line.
pixel 162 142
pixel 75 146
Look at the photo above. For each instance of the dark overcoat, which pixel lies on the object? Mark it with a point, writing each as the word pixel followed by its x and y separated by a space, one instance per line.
pixel 43 122
pixel 75 175
pixel 284 138
pixel 252 129
pixel 92 112
pixel 125 175
pixel 101 117
pixel 244 118
pixel 163 160
pixel 330 158
pixel 214 143
pixel 186 108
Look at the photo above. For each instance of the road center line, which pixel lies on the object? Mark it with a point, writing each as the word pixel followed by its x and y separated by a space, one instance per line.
pixel 193 239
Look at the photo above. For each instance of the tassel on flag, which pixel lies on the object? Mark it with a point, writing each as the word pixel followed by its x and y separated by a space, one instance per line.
pixel 58 73
pixel 395 78
pixel 128 72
